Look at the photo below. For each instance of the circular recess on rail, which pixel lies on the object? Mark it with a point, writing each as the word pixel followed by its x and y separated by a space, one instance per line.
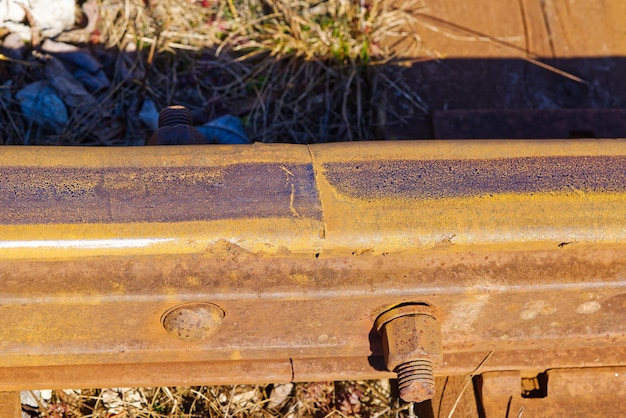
pixel 588 307
pixel 193 321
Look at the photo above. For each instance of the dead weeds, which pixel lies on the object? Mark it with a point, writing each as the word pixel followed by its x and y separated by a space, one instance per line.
pixel 297 71
pixel 368 399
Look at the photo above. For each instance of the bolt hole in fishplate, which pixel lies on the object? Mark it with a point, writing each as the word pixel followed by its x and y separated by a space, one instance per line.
pixel 535 387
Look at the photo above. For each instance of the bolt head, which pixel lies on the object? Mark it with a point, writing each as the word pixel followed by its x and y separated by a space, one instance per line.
pixel 410 338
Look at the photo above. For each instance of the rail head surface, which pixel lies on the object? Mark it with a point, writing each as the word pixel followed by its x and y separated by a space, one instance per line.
pixel 279 259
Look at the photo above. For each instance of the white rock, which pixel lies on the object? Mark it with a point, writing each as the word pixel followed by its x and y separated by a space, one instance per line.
pixel 279 395
pixel 46 394
pixel 51 17
pixel 11 10
pixel 112 400
pixel 241 400
pixel 119 399
pixel 132 397
pixel 32 398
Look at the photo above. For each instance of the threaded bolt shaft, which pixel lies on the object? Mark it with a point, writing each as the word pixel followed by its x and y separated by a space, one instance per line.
pixel 416 380
pixel 175 115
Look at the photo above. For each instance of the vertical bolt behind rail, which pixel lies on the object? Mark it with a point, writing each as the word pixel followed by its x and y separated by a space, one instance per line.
pixel 175 115
pixel 412 348
pixel 175 128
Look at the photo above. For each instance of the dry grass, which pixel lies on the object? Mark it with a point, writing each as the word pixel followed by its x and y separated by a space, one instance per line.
pixel 297 71
pixel 324 399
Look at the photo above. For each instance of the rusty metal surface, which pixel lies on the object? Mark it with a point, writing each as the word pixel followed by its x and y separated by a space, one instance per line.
pixel 515 28
pixel 517 258
pixel 10 405
pixel 176 128
pixel 454 397
pixel 194 372
pixel 189 373
pixel 592 392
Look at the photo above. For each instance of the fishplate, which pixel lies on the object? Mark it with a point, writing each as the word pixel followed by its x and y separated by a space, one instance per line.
pixel 286 255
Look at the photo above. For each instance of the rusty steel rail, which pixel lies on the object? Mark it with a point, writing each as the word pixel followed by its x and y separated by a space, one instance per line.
pixel 270 263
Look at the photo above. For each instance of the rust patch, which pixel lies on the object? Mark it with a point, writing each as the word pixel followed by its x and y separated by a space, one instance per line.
pixel 433 179
pixel 616 304
pixel 38 195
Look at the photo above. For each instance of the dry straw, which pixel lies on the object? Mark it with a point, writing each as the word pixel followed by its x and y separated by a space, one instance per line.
pixel 296 71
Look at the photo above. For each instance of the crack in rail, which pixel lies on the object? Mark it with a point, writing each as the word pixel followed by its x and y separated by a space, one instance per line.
pixel 292 196
pixel 322 233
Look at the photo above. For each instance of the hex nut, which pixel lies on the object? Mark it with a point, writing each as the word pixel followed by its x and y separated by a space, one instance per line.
pixel 193 321
pixel 410 338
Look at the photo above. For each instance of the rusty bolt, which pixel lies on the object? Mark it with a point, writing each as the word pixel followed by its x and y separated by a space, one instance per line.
pixel 412 348
pixel 193 321
pixel 175 128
